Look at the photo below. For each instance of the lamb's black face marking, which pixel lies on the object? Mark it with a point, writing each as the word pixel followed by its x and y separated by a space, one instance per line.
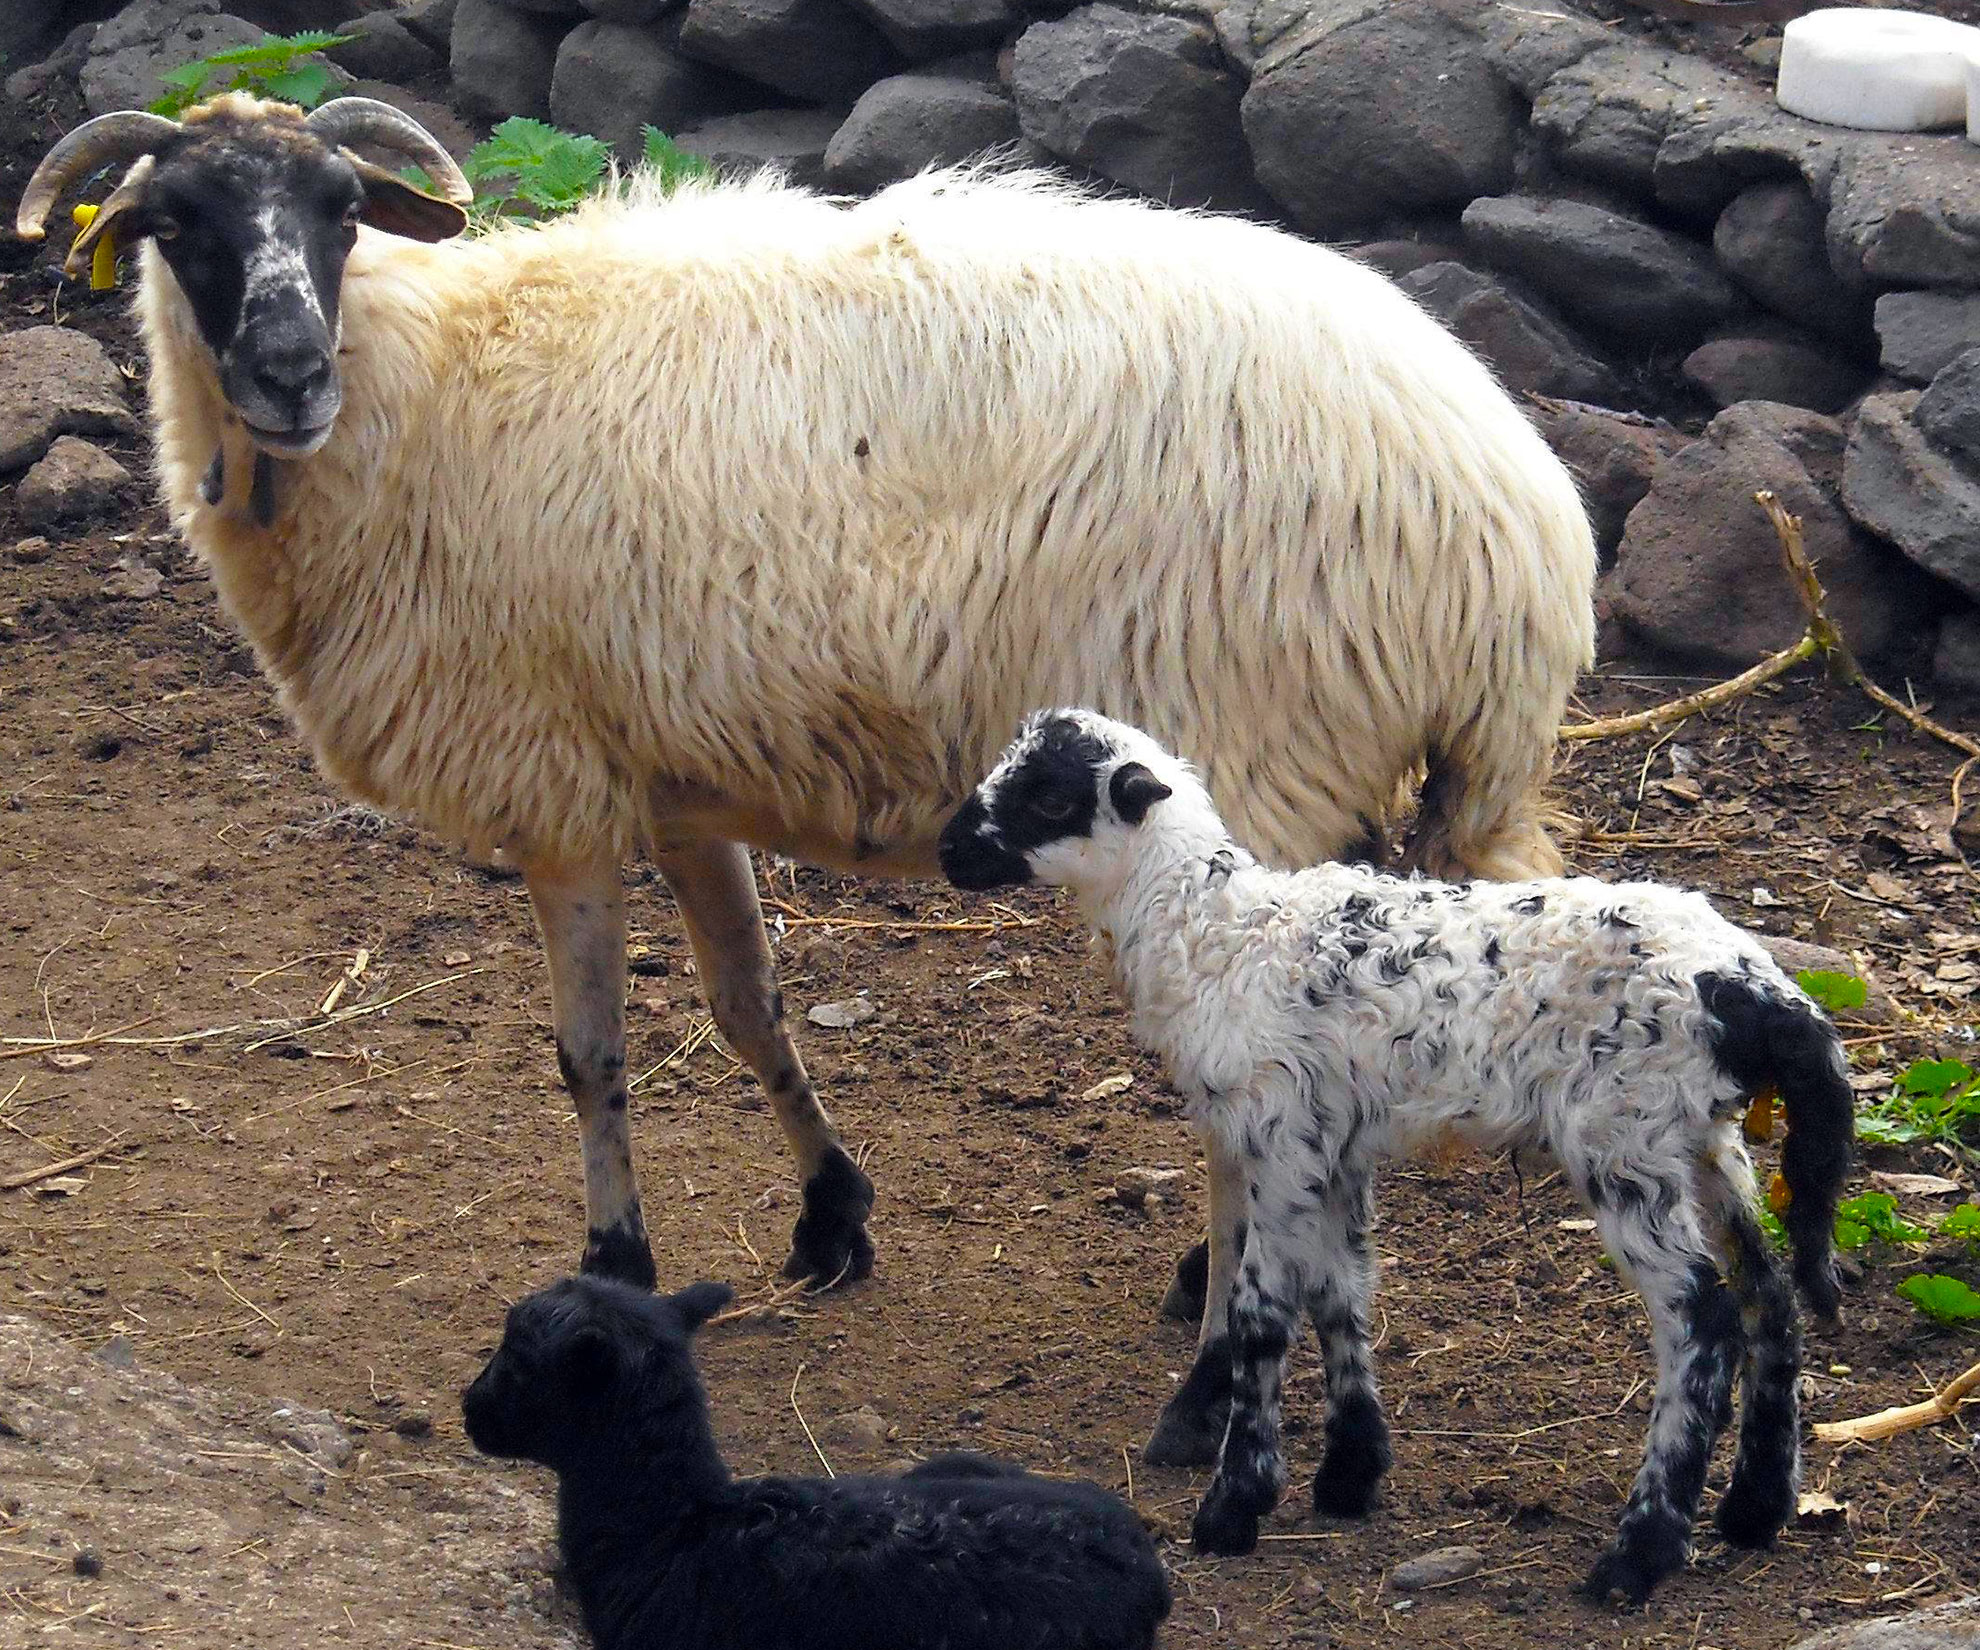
pixel 1046 788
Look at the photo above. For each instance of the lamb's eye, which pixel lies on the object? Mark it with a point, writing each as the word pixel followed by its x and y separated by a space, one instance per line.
pixel 164 228
pixel 1054 808
pixel 353 213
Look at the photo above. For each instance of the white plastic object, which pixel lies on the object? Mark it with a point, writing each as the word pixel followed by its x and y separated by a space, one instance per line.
pixel 1973 99
pixel 1877 70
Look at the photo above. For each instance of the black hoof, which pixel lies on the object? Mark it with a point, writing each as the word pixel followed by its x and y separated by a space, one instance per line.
pixel 1749 1517
pixel 619 1252
pixel 1349 1475
pixel 1187 1434
pixel 1187 1288
pixel 829 1245
pixel 1223 1527
pixel 1631 1569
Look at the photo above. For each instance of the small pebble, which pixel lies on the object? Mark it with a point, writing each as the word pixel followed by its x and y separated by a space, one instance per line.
pixel 415 1423
pixel 87 1562
pixel 1445 1564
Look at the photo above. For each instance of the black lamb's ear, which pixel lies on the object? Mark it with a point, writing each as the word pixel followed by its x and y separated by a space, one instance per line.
pixel 590 1360
pixel 699 1302
pixel 1134 790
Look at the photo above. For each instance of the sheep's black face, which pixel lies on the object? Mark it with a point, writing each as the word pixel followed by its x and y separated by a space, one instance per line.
pixel 1059 778
pixel 573 1357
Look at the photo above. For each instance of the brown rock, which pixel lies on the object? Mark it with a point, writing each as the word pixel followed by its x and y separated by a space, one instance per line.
pixel 56 382
pixel 71 482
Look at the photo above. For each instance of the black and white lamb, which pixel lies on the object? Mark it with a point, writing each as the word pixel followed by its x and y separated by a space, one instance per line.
pixel 665 1551
pixel 1321 1020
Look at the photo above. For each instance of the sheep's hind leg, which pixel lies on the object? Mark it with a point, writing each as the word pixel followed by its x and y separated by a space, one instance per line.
pixel 1695 1327
pixel 582 914
pixel 1251 1467
pixel 1343 1283
pixel 1191 1426
pixel 716 889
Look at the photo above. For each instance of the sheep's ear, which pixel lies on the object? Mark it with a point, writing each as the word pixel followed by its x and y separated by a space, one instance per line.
pixel 395 206
pixel 590 1359
pixel 1134 790
pixel 699 1302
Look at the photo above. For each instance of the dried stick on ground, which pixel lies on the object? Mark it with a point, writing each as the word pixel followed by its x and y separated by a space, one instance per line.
pixel 1888 1423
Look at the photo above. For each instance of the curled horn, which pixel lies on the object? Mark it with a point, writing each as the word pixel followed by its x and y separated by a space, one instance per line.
pixel 123 136
pixel 352 120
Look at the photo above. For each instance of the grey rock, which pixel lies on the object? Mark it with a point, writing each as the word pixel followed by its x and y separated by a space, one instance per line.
pixel 793 140
pixel 630 11
pixel 1956 660
pixel 1804 956
pixel 922 30
pixel 612 79
pixel 129 53
pixel 1904 210
pixel 62 64
pixel 1529 45
pixel 56 382
pixel 1897 484
pixel 381 47
pixel 863 1428
pixel 1760 368
pixel 431 21
pixel 1954 1625
pixel 118 1353
pixel 1438 1568
pixel 818 50
pixel 1373 110
pixel 566 11
pixel 26 26
pixel 1919 332
pixel 72 481
pixel 502 60
pixel 1642 285
pixel 1606 115
pixel 1611 455
pixel 1396 259
pixel 30 550
pixel 1527 347
pixel 1770 239
pixel 1949 411
pixel 133 579
pixel 913 121
pixel 1698 572
pixel 1145 99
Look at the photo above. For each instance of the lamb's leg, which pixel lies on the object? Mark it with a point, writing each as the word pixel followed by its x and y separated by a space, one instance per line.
pixel 1251 1469
pixel 1341 1288
pixel 1760 1499
pixel 716 890
pixel 1191 1426
pixel 1694 1326
pixel 581 911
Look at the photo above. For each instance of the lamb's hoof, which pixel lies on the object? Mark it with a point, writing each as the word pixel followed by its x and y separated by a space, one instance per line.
pixel 1750 1517
pixel 1184 1301
pixel 1349 1475
pixel 1223 1526
pixel 1633 1565
pixel 829 1245
pixel 1187 1433
pixel 619 1252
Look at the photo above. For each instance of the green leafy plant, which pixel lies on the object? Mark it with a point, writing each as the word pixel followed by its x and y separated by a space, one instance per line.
pixel 1873 1218
pixel 1962 1225
pixel 1934 1102
pixel 279 67
pixel 530 168
pixel 674 164
pixel 1837 993
pixel 1942 1299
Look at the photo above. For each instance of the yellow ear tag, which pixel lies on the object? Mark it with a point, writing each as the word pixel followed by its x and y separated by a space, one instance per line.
pixel 103 260
pixel 1778 1196
pixel 1760 1114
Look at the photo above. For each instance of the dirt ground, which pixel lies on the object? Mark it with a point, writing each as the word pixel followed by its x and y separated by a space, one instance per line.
pixel 341 1215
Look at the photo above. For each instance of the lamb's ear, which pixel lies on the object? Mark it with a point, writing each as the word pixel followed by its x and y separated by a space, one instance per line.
pixel 395 206
pixel 1134 790
pixel 699 1302
pixel 590 1359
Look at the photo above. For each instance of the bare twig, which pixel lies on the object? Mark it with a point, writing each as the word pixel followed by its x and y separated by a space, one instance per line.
pixel 14 1182
pixel 795 918
pixel 1677 710
pixel 1888 1423
pixel 815 1450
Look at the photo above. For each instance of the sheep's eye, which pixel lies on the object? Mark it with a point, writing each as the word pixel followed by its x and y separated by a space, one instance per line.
pixel 353 213
pixel 1054 808
pixel 164 228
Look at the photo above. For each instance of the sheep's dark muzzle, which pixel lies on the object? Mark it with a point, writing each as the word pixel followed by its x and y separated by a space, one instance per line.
pixel 971 859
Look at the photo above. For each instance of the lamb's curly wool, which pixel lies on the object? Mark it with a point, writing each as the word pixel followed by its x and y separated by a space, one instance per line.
pixel 666 1551
pixel 1322 1020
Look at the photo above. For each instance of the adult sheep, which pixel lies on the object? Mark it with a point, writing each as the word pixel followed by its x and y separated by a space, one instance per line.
pixel 741 516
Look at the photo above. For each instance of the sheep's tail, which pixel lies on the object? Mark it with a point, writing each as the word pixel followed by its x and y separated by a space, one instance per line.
pixel 1772 1033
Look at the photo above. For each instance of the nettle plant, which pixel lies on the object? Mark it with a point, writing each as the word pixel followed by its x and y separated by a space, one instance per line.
pixel 528 169
pixel 284 66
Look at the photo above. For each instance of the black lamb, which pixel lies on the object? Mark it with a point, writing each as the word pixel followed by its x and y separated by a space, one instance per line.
pixel 665 1551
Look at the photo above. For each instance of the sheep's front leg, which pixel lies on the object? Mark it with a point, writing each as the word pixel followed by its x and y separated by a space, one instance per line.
pixel 1191 1425
pixel 581 911
pixel 1251 1469
pixel 716 890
